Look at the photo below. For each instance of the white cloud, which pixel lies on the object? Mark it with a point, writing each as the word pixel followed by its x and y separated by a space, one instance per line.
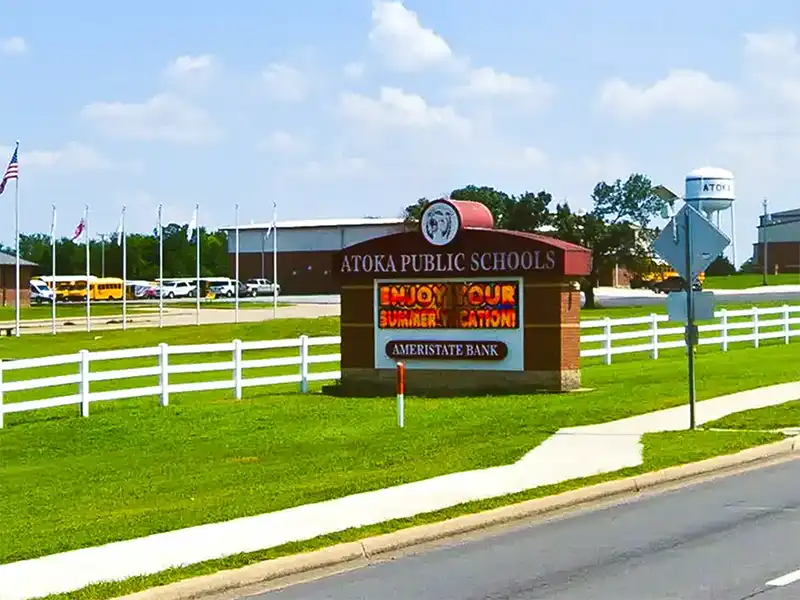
pixel 775 47
pixel 488 83
pixel 163 117
pixel 281 141
pixel 503 158
pixel 187 66
pixel 73 157
pixel 353 70
pixel 395 108
pixel 336 168
pixel 682 90
pixel 533 157
pixel 13 45
pixel 403 42
pixel 285 83
pixel 773 59
pixel 766 137
pixel 594 168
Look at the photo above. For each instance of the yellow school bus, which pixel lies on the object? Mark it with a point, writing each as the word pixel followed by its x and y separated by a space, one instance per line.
pixel 100 288
pixel 106 288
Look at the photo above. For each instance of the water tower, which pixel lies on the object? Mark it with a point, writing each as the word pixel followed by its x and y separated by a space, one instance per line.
pixel 711 191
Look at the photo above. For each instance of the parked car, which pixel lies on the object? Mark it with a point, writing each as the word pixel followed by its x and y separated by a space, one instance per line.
pixel 674 284
pixel 177 289
pixel 263 287
pixel 228 289
pixel 40 292
pixel 145 291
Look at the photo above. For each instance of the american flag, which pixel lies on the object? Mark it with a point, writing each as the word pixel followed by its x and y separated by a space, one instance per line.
pixel 79 230
pixel 12 171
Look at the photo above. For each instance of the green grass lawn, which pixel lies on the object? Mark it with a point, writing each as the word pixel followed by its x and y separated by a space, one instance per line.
pixel 134 468
pixel 44 311
pixel 741 281
pixel 782 416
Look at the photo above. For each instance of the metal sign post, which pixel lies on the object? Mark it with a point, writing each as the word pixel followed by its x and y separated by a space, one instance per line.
pixel 701 243
pixel 691 328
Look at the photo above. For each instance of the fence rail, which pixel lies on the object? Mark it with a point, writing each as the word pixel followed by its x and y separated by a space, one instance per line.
pixel 724 332
pixel 760 323
pixel 237 365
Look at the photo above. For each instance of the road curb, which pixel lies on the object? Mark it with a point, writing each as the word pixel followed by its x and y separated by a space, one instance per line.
pixel 360 553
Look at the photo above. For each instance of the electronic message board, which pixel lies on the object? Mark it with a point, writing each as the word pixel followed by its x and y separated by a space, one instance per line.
pixel 448 305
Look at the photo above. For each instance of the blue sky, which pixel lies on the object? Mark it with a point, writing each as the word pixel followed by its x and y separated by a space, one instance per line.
pixel 354 108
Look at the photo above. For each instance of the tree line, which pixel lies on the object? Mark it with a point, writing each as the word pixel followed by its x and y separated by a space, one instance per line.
pixel 141 249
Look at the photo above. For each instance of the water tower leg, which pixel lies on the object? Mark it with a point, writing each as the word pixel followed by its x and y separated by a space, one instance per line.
pixel 733 236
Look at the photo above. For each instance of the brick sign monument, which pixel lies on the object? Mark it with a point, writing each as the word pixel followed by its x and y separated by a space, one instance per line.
pixel 468 308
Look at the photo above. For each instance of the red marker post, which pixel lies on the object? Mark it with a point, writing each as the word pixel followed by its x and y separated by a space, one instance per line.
pixel 401 393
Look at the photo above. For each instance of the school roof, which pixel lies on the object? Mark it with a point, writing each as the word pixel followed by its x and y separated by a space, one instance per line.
pixel 10 259
pixel 316 223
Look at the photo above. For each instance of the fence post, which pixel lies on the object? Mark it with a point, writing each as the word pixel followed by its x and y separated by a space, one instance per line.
pixel 607 341
pixel 237 369
pixel 724 331
pixel 786 330
pixel 84 354
pixel 163 376
pixel 303 364
pixel 654 335
pixel 755 327
pixel 1 394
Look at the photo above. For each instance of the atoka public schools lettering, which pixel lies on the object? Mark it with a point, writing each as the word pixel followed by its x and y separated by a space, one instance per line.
pixel 450 262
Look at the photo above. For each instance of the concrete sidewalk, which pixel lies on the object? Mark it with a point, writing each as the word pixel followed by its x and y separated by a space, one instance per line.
pixel 177 316
pixel 570 453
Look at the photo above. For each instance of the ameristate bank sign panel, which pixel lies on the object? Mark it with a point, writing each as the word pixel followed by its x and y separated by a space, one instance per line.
pixel 449 324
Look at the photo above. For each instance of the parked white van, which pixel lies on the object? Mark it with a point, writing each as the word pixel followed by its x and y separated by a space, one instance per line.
pixel 40 292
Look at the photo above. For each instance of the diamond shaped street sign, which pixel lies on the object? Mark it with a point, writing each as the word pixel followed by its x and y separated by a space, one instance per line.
pixel 707 242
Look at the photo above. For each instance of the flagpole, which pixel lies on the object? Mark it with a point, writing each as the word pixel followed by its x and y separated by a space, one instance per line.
pixel 53 272
pixel 236 262
pixel 160 270
pixel 16 245
pixel 124 273
pixel 197 260
pixel 274 260
pixel 88 271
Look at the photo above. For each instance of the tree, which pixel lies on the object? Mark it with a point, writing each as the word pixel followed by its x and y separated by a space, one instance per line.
pixel 616 230
pixel 142 254
pixel 527 212
pixel 721 266
pixel 750 266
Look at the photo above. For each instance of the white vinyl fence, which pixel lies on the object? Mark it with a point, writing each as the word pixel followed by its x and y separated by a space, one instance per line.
pixel 751 325
pixel 237 365
pixel 747 325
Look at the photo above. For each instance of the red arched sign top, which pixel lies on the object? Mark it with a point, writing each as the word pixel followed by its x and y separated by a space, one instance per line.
pixel 473 214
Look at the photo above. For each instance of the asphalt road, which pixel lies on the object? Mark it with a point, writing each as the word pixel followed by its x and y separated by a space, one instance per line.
pixel 623 297
pixel 734 538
